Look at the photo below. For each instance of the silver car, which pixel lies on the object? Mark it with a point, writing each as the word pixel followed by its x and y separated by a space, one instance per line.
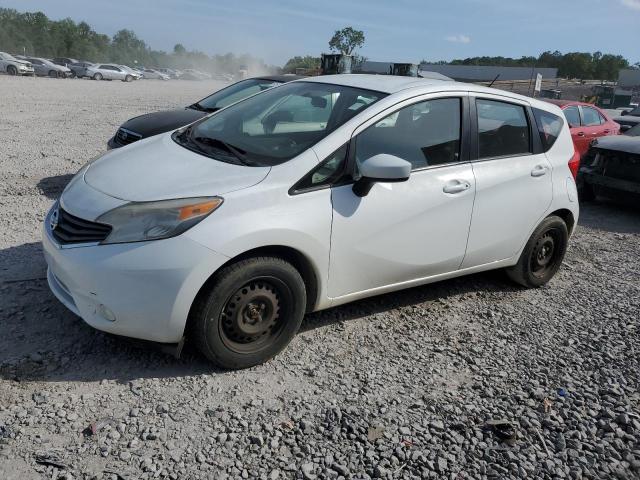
pixel 12 66
pixel 154 74
pixel 107 71
pixel 46 68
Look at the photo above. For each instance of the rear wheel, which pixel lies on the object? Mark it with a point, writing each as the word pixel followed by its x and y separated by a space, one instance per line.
pixel 97 76
pixel 11 70
pixel 250 312
pixel 542 255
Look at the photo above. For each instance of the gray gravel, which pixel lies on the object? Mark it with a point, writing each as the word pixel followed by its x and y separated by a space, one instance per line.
pixel 406 385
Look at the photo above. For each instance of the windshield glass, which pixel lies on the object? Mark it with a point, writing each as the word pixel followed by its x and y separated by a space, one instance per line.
pixel 234 93
pixel 277 125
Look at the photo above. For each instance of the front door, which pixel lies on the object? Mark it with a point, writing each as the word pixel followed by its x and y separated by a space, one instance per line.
pixel 410 230
pixel 513 184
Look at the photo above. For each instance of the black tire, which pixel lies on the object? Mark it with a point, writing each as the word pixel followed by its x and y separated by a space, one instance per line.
pixel 11 70
pixel 97 76
pixel 249 312
pixel 543 254
pixel 73 74
pixel 128 78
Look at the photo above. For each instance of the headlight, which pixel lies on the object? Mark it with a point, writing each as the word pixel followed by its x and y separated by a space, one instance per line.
pixel 142 221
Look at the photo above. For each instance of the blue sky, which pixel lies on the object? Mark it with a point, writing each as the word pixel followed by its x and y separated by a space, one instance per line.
pixel 396 30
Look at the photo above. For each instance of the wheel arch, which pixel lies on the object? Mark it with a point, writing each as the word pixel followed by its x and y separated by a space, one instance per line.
pixel 295 257
pixel 567 216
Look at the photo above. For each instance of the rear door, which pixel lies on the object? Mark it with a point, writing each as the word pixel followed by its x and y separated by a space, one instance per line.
pixel 513 179
pixel 405 231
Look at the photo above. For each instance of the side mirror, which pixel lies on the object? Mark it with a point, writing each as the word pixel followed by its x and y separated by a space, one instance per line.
pixel 381 168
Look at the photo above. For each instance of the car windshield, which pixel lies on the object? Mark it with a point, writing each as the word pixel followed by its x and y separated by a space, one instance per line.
pixel 277 125
pixel 234 93
pixel 633 132
pixel 7 56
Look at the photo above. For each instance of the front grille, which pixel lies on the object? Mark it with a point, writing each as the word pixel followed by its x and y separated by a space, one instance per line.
pixel 70 229
pixel 125 137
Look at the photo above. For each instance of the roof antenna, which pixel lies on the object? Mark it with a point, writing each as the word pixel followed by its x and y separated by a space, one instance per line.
pixel 493 81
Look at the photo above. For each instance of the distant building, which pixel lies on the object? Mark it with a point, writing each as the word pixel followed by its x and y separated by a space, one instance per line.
pixel 629 79
pixel 474 73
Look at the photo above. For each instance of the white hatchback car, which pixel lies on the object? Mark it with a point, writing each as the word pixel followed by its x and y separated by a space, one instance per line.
pixel 307 196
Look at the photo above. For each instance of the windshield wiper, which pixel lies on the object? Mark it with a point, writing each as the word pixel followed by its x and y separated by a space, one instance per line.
pixel 217 143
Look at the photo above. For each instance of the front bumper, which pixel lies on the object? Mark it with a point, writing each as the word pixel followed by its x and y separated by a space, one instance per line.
pixel 23 70
pixel 141 290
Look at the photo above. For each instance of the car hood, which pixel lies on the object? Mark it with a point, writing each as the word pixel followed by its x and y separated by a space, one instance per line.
pixel 619 143
pixel 160 122
pixel 160 169
pixel 23 62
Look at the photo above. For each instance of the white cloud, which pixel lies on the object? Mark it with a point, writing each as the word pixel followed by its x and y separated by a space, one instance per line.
pixel 465 38
pixel 635 4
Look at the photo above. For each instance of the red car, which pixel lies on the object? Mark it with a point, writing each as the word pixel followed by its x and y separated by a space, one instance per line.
pixel 586 122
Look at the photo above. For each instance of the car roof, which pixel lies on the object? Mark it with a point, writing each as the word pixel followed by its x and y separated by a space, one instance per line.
pixel 379 83
pixel 280 78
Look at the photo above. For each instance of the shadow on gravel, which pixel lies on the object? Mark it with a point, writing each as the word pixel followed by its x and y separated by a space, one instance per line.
pixel 610 216
pixel 52 187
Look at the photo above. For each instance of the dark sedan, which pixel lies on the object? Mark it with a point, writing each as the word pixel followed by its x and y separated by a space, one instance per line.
pixel 155 123
pixel 612 168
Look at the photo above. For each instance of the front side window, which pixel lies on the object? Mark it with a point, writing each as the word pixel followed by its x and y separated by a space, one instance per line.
pixel 549 127
pixel 503 129
pixel 591 117
pixel 424 134
pixel 572 114
pixel 277 125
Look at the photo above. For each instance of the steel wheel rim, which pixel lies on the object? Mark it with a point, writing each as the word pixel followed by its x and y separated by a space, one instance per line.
pixel 544 256
pixel 254 316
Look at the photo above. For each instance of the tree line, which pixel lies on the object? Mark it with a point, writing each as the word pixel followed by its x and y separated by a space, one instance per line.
pixel 33 33
pixel 582 65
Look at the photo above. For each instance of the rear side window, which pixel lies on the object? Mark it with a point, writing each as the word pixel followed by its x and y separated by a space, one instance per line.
pixel 591 117
pixel 503 129
pixel 549 127
pixel 572 115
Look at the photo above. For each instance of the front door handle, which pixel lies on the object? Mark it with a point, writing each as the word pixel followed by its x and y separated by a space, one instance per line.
pixel 456 186
pixel 580 134
pixel 538 171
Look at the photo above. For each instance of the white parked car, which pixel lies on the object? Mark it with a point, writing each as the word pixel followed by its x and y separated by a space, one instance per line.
pixel 106 71
pixel 13 66
pixel 150 73
pixel 306 196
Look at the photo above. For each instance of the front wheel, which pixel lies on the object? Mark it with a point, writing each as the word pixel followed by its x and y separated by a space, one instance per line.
pixel 11 70
pixel 97 76
pixel 250 312
pixel 542 255
pixel 128 78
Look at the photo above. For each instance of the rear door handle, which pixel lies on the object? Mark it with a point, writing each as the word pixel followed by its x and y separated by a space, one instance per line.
pixel 580 134
pixel 456 186
pixel 538 171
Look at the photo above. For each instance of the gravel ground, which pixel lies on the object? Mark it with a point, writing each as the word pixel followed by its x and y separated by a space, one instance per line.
pixel 468 378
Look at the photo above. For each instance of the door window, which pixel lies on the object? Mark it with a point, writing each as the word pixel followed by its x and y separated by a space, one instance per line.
pixel 424 134
pixel 572 114
pixel 591 117
pixel 503 129
pixel 549 127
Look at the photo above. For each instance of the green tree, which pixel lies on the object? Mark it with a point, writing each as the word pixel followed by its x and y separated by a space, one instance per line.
pixel 346 41
pixel 307 62
pixel 179 49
